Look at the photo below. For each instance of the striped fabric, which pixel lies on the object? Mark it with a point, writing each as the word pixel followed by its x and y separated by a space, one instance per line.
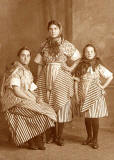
pixel 42 107
pixel 26 118
pixel 92 97
pixel 41 83
pixel 98 110
pixel 25 124
pixel 61 94
pixel 62 91
pixel 94 93
pixel 52 72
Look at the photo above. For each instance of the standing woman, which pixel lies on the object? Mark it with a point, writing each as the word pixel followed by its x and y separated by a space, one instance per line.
pixel 54 75
pixel 27 118
pixel 90 92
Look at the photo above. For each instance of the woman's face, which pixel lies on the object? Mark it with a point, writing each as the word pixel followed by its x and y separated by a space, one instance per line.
pixel 90 52
pixel 25 57
pixel 54 31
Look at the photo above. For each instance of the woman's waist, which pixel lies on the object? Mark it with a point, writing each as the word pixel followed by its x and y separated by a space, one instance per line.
pixel 54 63
pixel 53 67
pixel 89 78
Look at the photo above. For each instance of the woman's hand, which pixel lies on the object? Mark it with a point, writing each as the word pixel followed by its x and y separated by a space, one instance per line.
pixel 35 93
pixel 71 68
pixel 76 79
pixel 102 87
pixel 107 82
pixel 31 95
pixel 39 100
pixel 66 68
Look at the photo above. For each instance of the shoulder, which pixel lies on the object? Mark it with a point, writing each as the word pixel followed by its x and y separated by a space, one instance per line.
pixel 101 67
pixel 12 69
pixel 18 72
pixel 104 71
pixel 68 48
pixel 19 69
pixel 68 44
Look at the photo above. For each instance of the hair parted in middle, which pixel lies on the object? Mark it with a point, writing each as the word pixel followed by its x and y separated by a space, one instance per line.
pixel 55 22
pixel 23 48
pixel 85 63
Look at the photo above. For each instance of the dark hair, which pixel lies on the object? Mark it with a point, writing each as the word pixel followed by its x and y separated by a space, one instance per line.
pixel 88 45
pixel 55 23
pixel 23 48
pixel 85 63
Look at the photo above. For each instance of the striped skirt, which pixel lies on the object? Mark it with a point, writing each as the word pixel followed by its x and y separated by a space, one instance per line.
pixel 61 93
pixel 25 124
pixel 98 110
pixel 93 102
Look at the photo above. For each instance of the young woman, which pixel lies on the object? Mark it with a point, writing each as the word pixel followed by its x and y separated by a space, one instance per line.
pixel 27 117
pixel 54 76
pixel 90 92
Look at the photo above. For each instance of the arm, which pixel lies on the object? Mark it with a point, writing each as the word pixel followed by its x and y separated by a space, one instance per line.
pixel 75 64
pixel 71 68
pixel 39 61
pixel 39 69
pixel 106 74
pixel 76 56
pixel 22 94
pixel 107 82
pixel 76 91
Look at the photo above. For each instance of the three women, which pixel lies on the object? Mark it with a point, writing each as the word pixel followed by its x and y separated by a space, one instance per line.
pixel 27 114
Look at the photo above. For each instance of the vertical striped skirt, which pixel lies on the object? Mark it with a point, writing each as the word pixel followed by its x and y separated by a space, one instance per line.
pixel 25 124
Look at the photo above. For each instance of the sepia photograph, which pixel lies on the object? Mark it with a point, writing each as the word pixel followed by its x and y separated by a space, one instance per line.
pixel 56 79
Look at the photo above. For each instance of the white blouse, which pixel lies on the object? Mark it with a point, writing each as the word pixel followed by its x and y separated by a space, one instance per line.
pixel 23 80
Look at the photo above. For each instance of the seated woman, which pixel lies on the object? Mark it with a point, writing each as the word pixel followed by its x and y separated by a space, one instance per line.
pixel 28 117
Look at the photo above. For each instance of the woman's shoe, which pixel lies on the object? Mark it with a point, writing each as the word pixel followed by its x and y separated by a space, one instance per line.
pixel 31 145
pixel 49 141
pixel 87 141
pixel 41 147
pixel 40 142
pixel 9 138
pixel 60 142
pixel 95 145
pixel 52 140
